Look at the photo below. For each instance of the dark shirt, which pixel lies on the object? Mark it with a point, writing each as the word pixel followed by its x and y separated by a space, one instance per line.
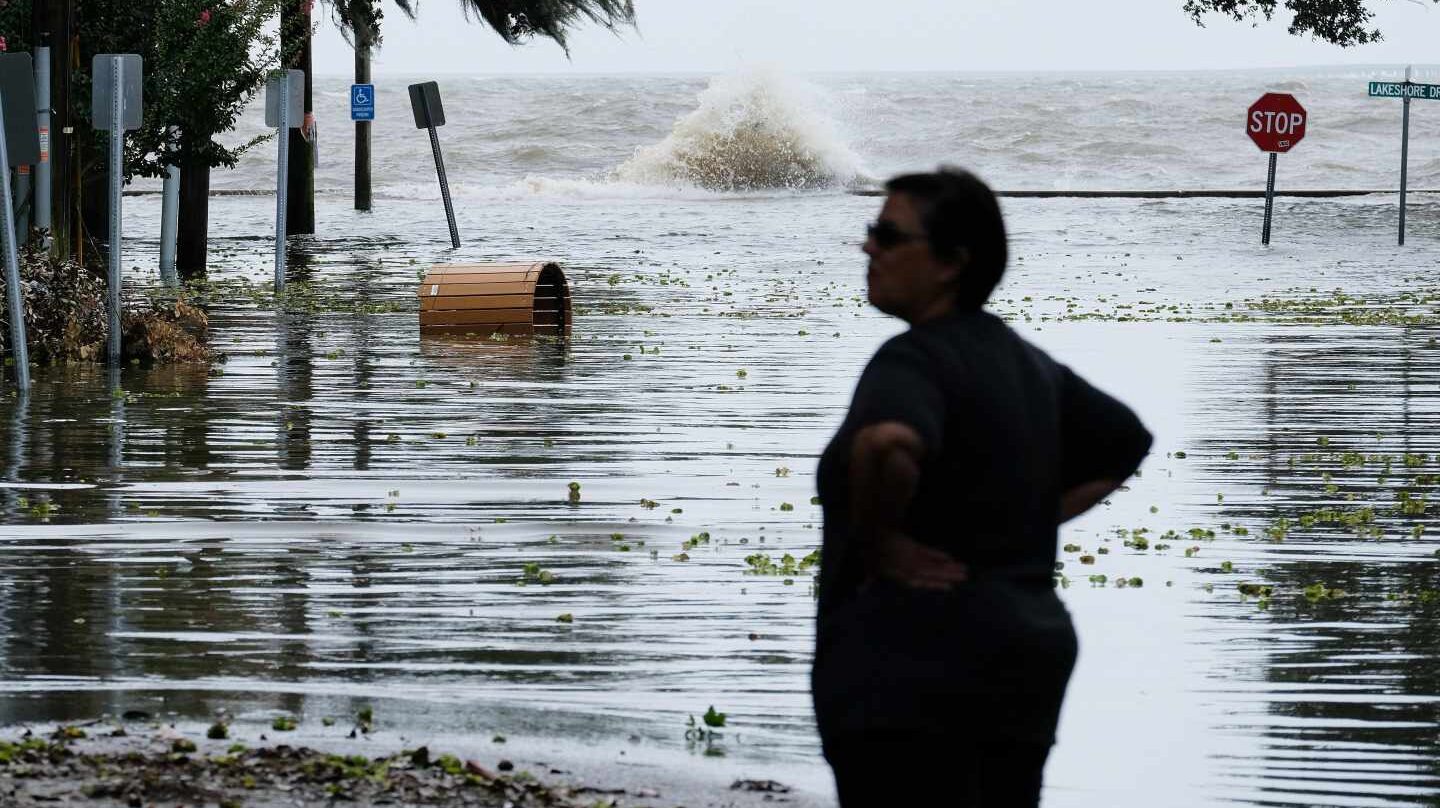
pixel 1007 430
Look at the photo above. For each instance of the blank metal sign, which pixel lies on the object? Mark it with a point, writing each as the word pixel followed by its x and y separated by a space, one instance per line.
pixel 425 103
pixel 17 88
pixel 296 107
pixel 131 102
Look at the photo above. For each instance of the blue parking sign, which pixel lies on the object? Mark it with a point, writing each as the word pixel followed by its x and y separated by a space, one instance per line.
pixel 362 102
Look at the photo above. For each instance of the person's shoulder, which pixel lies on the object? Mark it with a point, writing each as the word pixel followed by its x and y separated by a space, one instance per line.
pixel 903 347
pixel 992 324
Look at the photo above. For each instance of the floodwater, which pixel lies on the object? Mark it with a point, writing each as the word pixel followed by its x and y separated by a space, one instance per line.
pixel 341 513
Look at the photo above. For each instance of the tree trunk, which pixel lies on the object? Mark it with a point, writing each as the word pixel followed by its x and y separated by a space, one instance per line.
pixel 54 24
pixel 194 219
pixel 300 183
pixel 362 128
pixel 94 204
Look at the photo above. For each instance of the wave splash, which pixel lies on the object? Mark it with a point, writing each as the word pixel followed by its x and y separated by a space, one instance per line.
pixel 757 130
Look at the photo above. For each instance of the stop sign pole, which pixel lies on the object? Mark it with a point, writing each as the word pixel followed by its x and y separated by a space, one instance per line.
pixel 1275 123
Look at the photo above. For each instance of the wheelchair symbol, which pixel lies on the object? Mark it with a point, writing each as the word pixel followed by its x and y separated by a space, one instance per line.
pixel 361 99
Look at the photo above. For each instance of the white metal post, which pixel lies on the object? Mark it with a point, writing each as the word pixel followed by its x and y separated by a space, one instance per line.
pixel 117 167
pixel 12 267
pixel 281 178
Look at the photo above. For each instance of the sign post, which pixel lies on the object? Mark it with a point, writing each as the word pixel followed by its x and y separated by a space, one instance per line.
pixel 425 103
pixel 1404 90
pixel 1276 122
pixel 19 145
pixel 284 110
pixel 1404 156
pixel 116 107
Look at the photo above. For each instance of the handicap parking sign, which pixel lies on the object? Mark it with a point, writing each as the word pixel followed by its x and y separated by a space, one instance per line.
pixel 362 102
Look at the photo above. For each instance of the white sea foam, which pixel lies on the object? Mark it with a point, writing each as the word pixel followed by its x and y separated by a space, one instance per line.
pixel 751 131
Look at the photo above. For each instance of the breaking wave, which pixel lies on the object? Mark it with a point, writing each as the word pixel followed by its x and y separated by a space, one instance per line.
pixel 757 130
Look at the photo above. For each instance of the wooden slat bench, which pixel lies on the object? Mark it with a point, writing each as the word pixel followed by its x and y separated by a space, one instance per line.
pixel 486 299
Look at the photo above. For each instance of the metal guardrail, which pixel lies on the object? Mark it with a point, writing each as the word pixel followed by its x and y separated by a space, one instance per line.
pixel 1157 194
pixel 1175 194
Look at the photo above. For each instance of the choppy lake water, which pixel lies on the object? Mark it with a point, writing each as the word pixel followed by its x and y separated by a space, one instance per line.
pixel 338 515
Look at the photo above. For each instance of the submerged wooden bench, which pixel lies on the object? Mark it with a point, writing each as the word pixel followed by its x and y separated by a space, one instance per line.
pixel 486 299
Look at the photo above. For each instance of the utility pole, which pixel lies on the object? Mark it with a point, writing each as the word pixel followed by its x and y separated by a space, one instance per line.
pixel 295 43
pixel 53 24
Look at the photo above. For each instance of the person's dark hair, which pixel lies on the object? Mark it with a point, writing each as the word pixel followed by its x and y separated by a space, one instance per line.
pixel 960 212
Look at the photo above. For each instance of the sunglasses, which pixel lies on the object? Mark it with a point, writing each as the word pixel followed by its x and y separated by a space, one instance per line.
pixel 887 235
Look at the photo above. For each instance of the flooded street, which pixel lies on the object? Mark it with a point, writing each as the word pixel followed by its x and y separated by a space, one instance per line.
pixel 344 514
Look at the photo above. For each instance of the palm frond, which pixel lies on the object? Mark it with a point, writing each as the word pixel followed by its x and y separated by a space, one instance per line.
pixel 514 20
pixel 518 20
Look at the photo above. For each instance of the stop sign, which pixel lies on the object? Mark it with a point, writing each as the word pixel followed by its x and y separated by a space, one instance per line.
pixel 1276 122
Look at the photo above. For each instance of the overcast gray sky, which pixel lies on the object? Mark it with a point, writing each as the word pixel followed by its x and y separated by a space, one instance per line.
pixel 831 35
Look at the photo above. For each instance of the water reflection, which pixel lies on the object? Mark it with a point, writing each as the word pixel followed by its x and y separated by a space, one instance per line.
pixel 1351 684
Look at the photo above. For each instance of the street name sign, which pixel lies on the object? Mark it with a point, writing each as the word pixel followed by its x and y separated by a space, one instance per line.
pixel 1404 89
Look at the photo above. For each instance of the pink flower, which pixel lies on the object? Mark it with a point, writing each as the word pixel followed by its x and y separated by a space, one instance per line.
pixel 2 44
pixel 203 19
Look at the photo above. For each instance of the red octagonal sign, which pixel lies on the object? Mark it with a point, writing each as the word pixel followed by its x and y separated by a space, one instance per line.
pixel 1276 122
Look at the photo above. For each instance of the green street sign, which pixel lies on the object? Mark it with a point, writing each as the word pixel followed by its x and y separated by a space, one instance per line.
pixel 1404 89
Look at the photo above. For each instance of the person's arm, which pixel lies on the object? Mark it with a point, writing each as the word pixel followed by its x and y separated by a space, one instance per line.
pixel 1102 444
pixel 884 472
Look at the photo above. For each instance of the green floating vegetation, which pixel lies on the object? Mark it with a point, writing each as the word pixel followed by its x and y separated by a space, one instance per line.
pixel 1423 597
pixel 532 573
pixel 1318 591
pixel 1253 590
pixel 695 541
pixel 713 719
pixel 762 564
pixel 284 723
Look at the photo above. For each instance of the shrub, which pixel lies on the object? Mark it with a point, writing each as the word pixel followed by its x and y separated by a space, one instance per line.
pixel 65 318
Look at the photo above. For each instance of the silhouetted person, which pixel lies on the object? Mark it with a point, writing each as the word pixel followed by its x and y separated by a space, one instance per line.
pixel 943 651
